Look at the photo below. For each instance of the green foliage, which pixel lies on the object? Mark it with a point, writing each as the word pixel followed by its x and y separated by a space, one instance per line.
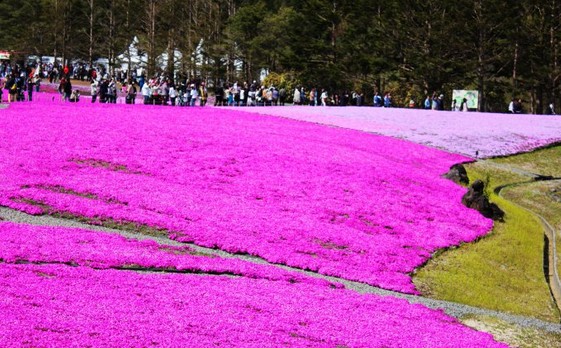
pixel 288 80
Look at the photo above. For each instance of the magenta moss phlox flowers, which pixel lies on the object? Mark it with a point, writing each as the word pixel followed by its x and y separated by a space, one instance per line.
pixel 340 202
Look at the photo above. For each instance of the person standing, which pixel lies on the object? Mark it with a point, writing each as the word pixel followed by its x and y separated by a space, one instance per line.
pixel 103 91
pixel 427 103
pixel 324 97
pixel 388 100
pixel 218 96
pixel 30 87
pixel 67 89
pixel 146 93
pixel 550 109
pixel 203 94
pixel 377 101
pixel 172 95
pixel 131 92
pixel 464 105
pixel 313 97
pixel 282 96
pixel 194 95
pixel 12 88
pixel 296 98
pixel 111 91
pixel 518 106
pixel 94 88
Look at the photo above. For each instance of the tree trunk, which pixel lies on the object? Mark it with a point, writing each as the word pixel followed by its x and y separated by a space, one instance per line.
pixel 151 37
pixel 91 37
pixel 553 44
pixel 514 67
pixel 111 38
pixel 170 69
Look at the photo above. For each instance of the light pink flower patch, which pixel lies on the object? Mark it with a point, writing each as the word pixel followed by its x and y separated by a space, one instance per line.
pixel 486 134
pixel 339 202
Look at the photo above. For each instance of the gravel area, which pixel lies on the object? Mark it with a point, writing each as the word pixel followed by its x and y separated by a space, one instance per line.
pixel 454 309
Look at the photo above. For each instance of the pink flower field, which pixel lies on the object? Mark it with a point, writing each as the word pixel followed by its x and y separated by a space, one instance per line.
pixel 339 202
pixel 62 287
pixel 465 133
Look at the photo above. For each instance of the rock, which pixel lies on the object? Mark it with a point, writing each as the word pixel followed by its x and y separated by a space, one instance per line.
pixel 458 174
pixel 476 199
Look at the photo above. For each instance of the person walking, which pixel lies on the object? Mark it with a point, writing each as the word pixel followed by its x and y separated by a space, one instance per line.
pixel 324 97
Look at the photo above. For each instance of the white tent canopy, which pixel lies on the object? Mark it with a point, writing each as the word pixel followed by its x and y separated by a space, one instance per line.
pixel 138 59
pixel 132 56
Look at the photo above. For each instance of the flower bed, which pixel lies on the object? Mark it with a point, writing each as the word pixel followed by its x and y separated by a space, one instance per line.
pixel 472 134
pixel 65 295
pixel 77 247
pixel 339 202
pixel 58 305
pixel 54 305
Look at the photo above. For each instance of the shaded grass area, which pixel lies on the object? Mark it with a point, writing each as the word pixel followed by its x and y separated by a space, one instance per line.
pixel 503 271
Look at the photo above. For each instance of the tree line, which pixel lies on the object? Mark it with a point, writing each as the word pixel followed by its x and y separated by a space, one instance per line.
pixel 410 48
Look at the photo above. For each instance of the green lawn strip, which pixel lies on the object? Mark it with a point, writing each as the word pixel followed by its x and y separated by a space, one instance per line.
pixel 502 271
pixel 512 334
pixel 543 198
pixel 537 197
pixel 544 162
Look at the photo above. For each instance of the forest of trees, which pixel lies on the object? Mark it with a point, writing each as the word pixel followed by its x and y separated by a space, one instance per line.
pixel 412 48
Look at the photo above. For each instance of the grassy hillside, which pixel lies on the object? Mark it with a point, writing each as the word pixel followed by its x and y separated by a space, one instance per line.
pixel 504 271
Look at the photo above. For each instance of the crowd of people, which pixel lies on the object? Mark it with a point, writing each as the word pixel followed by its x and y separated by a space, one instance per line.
pixel 19 86
pixel 20 83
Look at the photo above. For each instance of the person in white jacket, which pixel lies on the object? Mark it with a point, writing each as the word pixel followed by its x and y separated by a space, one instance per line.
pixel 324 97
pixel 146 93
pixel 194 95
pixel 172 95
pixel 94 89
